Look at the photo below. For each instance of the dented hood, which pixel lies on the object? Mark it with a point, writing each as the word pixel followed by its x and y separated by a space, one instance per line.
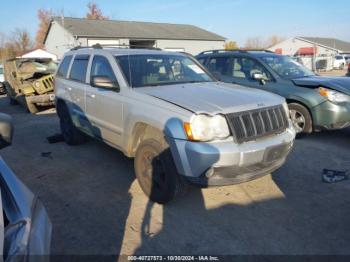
pixel 341 84
pixel 213 97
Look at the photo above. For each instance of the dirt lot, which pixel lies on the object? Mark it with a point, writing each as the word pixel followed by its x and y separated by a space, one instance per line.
pixel 97 207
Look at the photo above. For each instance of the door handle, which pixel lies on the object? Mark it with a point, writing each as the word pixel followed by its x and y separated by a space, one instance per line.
pixel 91 95
pixel 69 89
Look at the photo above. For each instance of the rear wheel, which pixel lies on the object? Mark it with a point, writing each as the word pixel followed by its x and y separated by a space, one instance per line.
pixel 9 92
pixel 156 172
pixel 301 118
pixel 70 133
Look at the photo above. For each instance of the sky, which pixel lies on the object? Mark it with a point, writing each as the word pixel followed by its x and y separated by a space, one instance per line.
pixel 234 19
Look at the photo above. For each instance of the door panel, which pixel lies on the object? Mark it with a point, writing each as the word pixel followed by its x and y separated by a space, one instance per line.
pixel 104 107
pixel 105 113
pixel 75 87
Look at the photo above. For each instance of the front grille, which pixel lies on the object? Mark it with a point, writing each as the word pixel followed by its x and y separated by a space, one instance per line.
pixel 250 125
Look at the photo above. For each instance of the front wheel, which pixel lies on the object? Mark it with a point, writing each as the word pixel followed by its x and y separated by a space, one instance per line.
pixel 10 93
pixel 156 172
pixel 70 133
pixel 301 118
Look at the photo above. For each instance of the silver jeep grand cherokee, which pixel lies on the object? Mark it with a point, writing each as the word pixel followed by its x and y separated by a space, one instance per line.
pixel 167 112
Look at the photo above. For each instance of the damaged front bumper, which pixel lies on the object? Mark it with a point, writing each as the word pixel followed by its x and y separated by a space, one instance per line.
pixel 226 162
pixel 42 100
pixel 328 115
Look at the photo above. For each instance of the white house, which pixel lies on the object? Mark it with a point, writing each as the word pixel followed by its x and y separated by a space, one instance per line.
pixel 318 46
pixel 39 53
pixel 66 32
pixel 317 53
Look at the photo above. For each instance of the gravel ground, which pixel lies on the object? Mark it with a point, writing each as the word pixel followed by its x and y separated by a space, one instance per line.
pixel 97 207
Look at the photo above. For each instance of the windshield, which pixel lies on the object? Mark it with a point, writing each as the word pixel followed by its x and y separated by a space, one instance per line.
pixel 286 67
pixel 153 70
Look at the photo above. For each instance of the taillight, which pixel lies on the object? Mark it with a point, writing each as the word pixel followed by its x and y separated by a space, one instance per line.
pixel 348 66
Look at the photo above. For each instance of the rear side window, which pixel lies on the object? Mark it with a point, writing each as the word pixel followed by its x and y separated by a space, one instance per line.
pixel 201 60
pixel 79 68
pixel 63 69
pixel 220 65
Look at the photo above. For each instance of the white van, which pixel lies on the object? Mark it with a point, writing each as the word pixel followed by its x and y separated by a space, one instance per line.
pixel 339 62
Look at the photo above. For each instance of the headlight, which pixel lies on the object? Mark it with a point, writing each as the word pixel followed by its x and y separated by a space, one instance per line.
pixel 206 128
pixel 37 84
pixel 333 96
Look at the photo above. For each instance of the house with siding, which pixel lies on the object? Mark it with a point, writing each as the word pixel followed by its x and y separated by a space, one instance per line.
pixel 65 33
pixel 317 46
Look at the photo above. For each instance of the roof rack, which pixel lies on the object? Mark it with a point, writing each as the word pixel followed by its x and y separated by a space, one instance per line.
pixel 234 50
pixel 99 46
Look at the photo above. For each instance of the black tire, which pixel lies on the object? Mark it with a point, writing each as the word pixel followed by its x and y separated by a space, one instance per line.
pixel 156 172
pixel 8 92
pixel 298 111
pixel 32 108
pixel 70 133
pixel 2 89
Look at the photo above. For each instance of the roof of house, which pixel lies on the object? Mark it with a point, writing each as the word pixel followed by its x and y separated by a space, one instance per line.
pixel 39 53
pixel 134 30
pixel 329 42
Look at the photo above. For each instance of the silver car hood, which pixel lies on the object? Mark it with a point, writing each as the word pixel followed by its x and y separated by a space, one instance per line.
pixel 213 97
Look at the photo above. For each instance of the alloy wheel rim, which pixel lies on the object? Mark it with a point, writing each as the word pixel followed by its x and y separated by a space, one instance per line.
pixel 152 170
pixel 298 120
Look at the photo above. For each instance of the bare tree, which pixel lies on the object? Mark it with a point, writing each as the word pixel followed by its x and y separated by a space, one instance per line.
pixel 274 40
pixel 254 43
pixel 20 41
pixel 95 12
pixel 261 43
pixel 231 45
pixel 44 17
pixel 9 51
pixel 2 47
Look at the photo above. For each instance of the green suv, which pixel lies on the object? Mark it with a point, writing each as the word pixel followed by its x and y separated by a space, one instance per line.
pixel 315 102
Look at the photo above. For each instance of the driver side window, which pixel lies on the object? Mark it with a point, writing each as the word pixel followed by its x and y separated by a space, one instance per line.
pixel 246 68
pixel 101 67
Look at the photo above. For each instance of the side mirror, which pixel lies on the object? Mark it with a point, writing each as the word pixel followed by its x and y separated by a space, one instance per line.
pixel 259 77
pixel 104 82
pixel 6 130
